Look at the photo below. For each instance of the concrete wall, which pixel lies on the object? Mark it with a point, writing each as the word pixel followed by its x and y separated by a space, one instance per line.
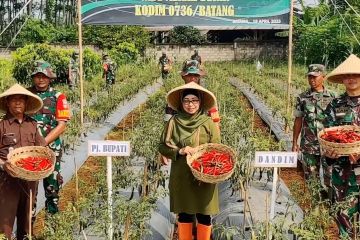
pixel 224 52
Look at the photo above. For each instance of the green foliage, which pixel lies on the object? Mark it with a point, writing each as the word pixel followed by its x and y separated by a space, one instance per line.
pixel 58 58
pixel 108 37
pixel 323 35
pixel 124 53
pixel 36 31
pixel 6 79
pixel 186 35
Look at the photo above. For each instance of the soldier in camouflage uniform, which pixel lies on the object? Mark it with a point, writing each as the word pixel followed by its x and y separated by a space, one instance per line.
pixel 164 63
pixel 196 56
pixel 345 110
pixel 109 70
pixel 309 118
pixel 73 70
pixel 51 121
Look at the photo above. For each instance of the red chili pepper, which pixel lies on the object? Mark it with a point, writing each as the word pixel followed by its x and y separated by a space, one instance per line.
pixel 34 164
pixel 341 136
pixel 213 163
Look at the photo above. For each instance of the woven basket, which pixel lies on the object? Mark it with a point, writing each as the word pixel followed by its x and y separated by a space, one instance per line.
pixel 342 149
pixel 167 67
pixel 31 151
pixel 200 150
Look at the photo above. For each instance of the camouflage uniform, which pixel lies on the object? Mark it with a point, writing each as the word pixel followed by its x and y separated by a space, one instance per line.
pixel 164 60
pixel 55 109
pixel 310 106
pixel 109 71
pixel 196 57
pixel 345 179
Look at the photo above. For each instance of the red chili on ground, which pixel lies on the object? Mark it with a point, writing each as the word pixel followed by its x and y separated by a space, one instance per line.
pixel 213 163
pixel 341 136
pixel 34 164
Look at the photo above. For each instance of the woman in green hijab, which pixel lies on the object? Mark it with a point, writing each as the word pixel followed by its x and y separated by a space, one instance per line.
pixel 187 129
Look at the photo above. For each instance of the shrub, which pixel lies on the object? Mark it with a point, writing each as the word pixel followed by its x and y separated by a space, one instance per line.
pixel 58 58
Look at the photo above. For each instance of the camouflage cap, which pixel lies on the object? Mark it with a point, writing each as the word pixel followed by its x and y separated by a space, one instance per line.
pixel 43 67
pixel 192 67
pixel 316 70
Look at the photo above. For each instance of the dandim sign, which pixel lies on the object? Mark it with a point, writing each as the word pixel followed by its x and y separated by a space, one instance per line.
pixel 275 159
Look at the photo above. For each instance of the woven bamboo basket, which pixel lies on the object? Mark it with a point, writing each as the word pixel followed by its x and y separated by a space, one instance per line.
pixel 31 151
pixel 167 67
pixel 342 149
pixel 200 150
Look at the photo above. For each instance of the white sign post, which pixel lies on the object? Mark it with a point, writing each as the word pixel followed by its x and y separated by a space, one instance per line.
pixel 109 149
pixel 275 160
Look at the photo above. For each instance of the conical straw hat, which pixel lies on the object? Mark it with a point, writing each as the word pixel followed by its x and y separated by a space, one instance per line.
pixel 350 66
pixel 208 99
pixel 33 104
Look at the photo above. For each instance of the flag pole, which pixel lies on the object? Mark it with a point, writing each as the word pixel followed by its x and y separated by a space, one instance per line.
pixel 289 64
pixel 81 65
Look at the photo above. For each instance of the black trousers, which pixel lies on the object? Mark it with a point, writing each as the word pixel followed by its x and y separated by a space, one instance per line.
pixel 189 218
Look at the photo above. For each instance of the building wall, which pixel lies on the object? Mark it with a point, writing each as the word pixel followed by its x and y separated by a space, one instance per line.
pixel 223 52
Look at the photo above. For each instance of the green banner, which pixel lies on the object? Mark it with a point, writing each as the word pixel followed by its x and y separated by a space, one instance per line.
pixel 252 14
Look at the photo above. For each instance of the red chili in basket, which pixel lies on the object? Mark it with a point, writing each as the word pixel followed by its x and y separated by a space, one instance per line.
pixel 341 136
pixel 34 164
pixel 213 163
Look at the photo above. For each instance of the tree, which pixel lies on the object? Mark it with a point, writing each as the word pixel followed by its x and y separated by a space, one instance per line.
pixel 186 35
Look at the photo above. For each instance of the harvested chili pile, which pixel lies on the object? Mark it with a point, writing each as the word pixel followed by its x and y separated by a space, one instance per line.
pixel 34 164
pixel 341 136
pixel 213 163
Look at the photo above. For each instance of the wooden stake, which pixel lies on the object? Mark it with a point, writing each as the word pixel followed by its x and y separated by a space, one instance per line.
pixel 245 209
pixel 81 65
pixel 267 216
pixel 123 133
pixel 127 226
pixel 76 182
pixel 289 64
pixel 253 120
pixel 30 214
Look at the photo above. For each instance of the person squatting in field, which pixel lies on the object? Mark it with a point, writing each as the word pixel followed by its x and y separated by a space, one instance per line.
pixel 51 119
pixel 190 127
pixel 309 121
pixel 345 110
pixel 17 129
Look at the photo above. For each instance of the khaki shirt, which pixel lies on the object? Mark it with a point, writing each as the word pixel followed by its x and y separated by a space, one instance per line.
pixel 14 134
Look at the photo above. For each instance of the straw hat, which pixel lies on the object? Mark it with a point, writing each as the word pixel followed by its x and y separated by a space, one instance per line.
pixel 350 66
pixel 208 99
pixel 33 104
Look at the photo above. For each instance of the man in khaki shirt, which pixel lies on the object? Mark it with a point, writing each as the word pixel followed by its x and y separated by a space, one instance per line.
pixel 16 130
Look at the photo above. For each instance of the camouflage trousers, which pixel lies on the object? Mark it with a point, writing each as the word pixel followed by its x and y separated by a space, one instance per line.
pixel 110 78
pixel 345 185
pixel 52 185
pixel 311 164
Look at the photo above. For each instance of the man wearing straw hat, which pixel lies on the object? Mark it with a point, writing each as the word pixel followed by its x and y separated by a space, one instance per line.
pixel 17 130
pixel 309 120
pixel 51 120
pixel 345 110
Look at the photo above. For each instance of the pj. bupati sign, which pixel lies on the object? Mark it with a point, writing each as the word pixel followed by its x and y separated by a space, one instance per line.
pixel 275 159
pixel 109 148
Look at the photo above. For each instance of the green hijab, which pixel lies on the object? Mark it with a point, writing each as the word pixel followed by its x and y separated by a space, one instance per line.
pixel 184 126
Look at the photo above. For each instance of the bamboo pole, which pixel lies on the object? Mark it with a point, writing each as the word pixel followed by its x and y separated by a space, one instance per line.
pixel 289 64
pixel 81 65
pixel 30 214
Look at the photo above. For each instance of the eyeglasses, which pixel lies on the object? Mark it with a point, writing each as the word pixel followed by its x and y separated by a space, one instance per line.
pixel 194 101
